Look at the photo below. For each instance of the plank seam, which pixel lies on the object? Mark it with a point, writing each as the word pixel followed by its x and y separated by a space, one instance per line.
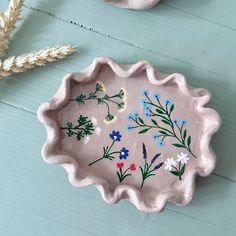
pixel 54 16
pixel 18 107
pixel 200 220
pixel 172 210
pixel 146 214
pixel 202 18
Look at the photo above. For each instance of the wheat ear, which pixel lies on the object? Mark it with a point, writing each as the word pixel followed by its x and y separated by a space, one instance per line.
pixel 24 62
pixel 8 23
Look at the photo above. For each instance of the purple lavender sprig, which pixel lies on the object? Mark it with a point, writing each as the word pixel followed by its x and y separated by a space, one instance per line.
pixel 158 166
pixel 144 152
pixel 155 157
pixel 147 170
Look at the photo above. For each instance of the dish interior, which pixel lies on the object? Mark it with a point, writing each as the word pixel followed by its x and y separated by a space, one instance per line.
pixel 129 131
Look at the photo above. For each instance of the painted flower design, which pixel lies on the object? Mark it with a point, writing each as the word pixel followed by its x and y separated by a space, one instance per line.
pixel 109 119
pixel 162 143
pixel 122 106
pixel 129 127
pixel 143 102
pixel 158 117
pixel 177 167
pixel 184 122
pixel 119 100
pixel 84 128
pixel 156 95
pixel 101 86
pixel 115 135
pixel 175 121
pixel 147 107
pixel 130 117
pixel 97 130
pixel 170 163
pixel 132 167
pixel 81 130
pixel 149 168
pixel 120 165
pixel 123 174
pixel 147 114
pixel 124 153
pixel 156 137
pixel 183 158
pixel 145 92
pixel 168 101
pixel 123 94
pixel 108 152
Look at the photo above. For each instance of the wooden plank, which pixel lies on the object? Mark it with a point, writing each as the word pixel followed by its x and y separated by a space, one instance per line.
pixel 28 221
pixel 36 197
pixel 162 30
pixel 217 11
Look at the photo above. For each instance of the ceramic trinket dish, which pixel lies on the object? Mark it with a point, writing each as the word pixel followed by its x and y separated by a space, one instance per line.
pixel 134 4
pixel 132 131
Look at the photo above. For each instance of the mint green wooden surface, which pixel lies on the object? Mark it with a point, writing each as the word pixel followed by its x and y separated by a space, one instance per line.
pixel 196 38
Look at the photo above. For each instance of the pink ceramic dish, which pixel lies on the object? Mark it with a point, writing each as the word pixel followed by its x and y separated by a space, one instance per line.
pixel 134 4
pixel 131 131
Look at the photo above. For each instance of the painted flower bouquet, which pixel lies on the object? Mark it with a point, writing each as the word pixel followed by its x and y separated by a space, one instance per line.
pixel 130 134
pixel 148 169
pixel 109 153
pixel 161 114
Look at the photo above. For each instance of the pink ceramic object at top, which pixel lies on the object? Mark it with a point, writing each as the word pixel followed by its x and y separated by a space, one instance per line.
pixel 131 131
pixel 134 4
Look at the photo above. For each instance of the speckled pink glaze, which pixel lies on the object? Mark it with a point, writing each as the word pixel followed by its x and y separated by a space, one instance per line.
pixel 134 4
pixel 75 156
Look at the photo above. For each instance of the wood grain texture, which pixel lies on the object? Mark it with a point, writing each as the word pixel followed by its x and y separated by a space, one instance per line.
pixel 215 11
pixel 177 36
pixel 181 36
pixel 36 194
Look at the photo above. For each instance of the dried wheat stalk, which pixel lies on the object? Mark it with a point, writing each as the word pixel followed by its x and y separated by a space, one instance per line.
pixel 17 64
pixel 37 58
pixel 8 23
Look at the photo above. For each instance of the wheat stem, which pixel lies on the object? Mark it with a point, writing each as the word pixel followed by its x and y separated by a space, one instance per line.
pixel 21 63
pixel 8 23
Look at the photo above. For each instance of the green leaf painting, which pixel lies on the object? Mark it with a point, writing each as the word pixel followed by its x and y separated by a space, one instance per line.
pixel 159 117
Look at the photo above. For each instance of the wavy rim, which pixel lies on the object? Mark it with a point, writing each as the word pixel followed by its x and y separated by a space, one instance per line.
pixel 134 4
pixel 177 196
